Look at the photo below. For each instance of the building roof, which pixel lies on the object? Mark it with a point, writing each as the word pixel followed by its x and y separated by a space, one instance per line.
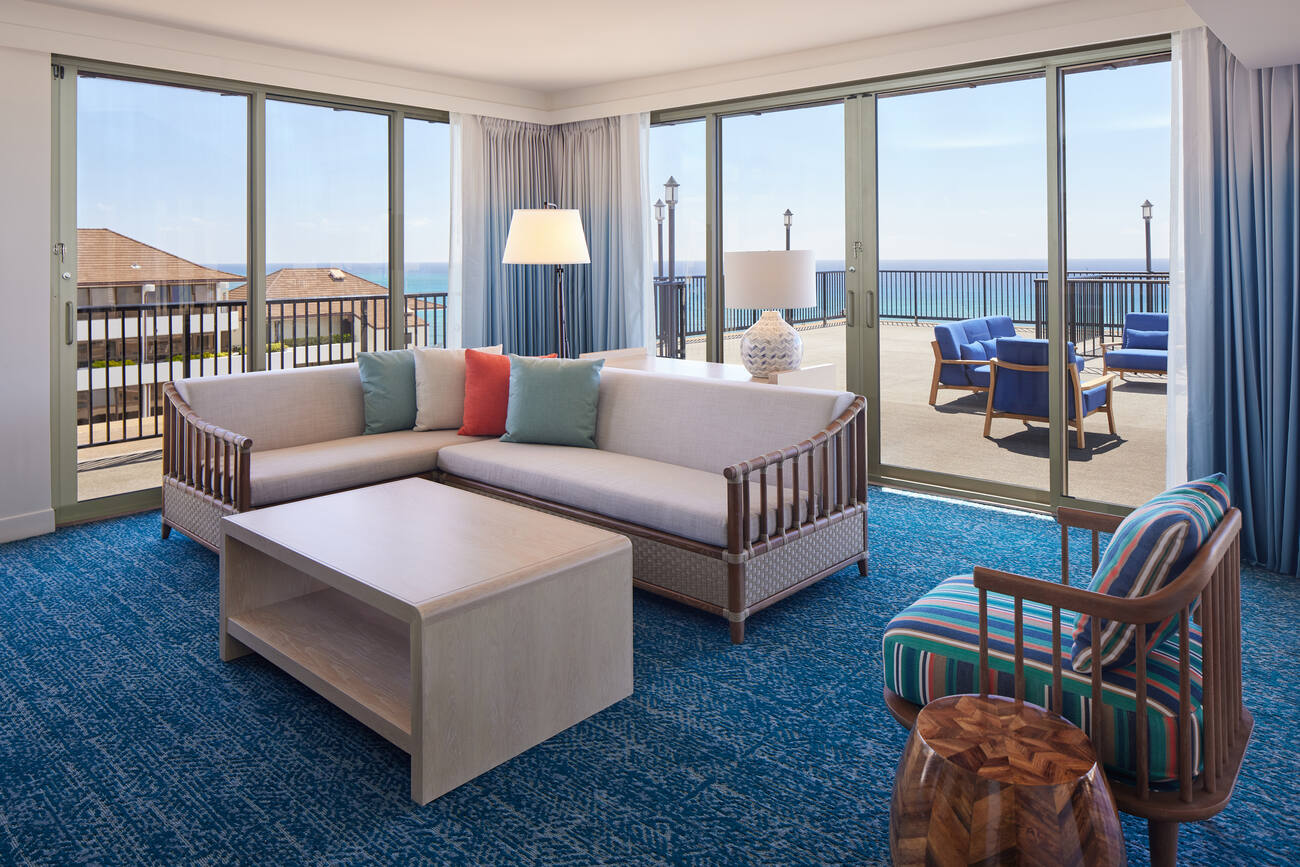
pixel 108 258
pixel 312 283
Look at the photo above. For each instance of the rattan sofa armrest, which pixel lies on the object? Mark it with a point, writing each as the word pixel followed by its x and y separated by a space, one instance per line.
pixel 847 466
pixel 200 456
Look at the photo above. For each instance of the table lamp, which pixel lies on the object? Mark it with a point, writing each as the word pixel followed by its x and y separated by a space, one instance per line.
pixel 548 236
pixel 770 280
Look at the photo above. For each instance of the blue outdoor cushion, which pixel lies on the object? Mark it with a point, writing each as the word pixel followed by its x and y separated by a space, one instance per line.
pixel 1024 392
pixel 974 352
pixel 1135 339
pixel 388 390
pixel 553 401
pixel 1154 360
pixel 979 375
pixel 990 348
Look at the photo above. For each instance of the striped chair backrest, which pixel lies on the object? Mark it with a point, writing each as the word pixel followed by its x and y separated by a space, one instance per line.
pixel 1152 547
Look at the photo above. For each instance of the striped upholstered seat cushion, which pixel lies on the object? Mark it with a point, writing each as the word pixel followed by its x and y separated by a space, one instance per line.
pixel 1149 549
pixel 931 650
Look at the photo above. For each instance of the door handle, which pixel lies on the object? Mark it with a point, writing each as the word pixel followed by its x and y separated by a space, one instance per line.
pixel 871 308
pixel 67 324
pixel 849 318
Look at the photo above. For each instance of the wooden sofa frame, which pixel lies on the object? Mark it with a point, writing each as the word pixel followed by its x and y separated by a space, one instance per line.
pixel 205 472
pixel 825 478
pixel 1212 581
pixel 1076 394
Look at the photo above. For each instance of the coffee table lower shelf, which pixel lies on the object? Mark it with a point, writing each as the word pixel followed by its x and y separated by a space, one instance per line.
pixel 354 655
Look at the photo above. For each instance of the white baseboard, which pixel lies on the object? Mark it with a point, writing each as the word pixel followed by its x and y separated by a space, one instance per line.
pixel 22 526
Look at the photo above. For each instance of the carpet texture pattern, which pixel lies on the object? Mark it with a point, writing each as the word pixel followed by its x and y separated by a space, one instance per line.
pixel 125 739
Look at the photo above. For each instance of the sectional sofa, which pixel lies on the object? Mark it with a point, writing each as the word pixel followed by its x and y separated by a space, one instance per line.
pixel 734 495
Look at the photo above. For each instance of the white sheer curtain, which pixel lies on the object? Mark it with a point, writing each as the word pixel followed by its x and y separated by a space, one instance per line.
pixel 1176 420
pixel 601 168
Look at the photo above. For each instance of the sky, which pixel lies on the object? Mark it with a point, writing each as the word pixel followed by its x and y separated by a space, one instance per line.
pixel 169 166
pixel 961 173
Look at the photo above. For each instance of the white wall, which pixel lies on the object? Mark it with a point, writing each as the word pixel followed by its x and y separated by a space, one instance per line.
pixel 25 104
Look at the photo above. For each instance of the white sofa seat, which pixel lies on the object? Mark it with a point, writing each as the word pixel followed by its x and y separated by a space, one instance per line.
pixel 674 499
pixel 279 475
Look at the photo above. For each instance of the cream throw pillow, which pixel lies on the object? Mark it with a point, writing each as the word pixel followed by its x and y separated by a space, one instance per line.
pixel 440 387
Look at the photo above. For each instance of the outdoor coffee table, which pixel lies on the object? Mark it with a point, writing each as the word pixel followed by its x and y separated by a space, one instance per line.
pixel 463 629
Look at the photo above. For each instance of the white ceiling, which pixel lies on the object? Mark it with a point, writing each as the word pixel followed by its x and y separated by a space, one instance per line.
pixel 1258 32
pixel 554 45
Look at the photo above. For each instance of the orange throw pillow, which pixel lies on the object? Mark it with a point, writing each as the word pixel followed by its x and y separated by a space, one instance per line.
pixel 487 393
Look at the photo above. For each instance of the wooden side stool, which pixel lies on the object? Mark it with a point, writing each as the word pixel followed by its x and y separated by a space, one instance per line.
pixel 989 780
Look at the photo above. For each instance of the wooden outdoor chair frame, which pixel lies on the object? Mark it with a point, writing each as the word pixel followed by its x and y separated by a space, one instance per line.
pixel 1076 393
pixel 939 362
pixel 1209 592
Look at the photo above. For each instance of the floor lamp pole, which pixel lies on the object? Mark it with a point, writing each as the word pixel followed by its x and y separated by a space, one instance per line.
pixel 562 324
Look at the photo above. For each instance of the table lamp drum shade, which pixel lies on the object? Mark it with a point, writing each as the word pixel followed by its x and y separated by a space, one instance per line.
pixel 546 236
pixel 770 279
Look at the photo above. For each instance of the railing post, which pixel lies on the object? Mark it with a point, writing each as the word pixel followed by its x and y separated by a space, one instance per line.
pixel 186 337
pixel 916 301
pixel 984 290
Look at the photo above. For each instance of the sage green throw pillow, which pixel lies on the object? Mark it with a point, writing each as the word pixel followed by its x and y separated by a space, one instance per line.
pixel 553 401
pixel 388 390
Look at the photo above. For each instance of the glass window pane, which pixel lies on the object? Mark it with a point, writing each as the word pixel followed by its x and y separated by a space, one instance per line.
pixel 790 160
pixel 1117 159
pixel 427 203
pixel 677 154
pixel 963 257
pixel 162 180
pixel 326 233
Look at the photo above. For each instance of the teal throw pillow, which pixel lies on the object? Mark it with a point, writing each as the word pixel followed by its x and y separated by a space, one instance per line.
pixel 388 389
pixel 553 401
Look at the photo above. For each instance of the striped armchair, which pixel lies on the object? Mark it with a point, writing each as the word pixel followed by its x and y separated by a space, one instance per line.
pixel 999 633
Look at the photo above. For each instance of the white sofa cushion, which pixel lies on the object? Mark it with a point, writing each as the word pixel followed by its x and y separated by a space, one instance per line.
pixel 307 470
pixel 440 387
pixel 706 424
pixel 281 408
pixel 679 500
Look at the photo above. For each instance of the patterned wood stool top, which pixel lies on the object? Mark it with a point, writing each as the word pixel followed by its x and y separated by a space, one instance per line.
pixel 988 780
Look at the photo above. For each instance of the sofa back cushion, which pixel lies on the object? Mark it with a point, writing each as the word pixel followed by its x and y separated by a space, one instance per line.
pixel 388 390
pixel 1147 322
pixel 1149 549
pixel 1136 339
pixel 706 424
pixel 281 408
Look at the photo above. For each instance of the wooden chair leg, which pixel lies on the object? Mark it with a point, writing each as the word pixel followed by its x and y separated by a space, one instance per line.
pixel 862 566
pixel 934 385
pixel 1110 417
pixel 737 632
pixel 1162 840
pixel 988 404
pixel 1078 427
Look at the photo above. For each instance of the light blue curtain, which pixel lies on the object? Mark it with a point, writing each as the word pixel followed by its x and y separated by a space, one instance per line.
pixel 594 166
pixel 1242 235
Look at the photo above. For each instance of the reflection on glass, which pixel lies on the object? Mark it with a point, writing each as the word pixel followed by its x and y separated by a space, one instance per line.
pixel 162 175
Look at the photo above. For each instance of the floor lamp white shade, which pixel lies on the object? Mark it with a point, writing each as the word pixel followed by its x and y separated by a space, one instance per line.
pixel 770 280
pixel 548 236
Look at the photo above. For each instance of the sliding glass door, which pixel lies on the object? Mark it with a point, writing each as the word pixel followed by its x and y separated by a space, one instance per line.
pixel 963 256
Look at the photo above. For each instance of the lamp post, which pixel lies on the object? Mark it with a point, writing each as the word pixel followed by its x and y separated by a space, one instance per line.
pixel 670 198
pixel 659 219
pixel 1146 218
pixel 789 219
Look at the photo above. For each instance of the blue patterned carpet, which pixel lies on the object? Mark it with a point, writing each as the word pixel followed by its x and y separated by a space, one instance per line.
pixel 125 739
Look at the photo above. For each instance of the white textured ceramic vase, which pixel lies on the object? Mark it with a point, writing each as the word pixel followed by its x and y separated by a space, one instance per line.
pixel 771 346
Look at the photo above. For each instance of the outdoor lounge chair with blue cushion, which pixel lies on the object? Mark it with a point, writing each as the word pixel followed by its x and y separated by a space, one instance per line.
pixel 1144 349
pixel 962 351
pixel 1019 386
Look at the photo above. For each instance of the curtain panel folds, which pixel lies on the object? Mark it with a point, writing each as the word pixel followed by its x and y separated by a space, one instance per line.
pixel 597 167
pixel 1241 231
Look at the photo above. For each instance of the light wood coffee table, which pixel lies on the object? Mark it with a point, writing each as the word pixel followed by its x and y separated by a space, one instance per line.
pixel 463 629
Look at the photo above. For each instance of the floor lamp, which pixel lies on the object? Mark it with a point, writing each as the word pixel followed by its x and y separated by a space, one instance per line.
pixel 548 236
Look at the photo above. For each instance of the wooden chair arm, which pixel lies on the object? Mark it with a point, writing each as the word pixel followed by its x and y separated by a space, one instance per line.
pixel 1107 379
pixel 974 361
pixel 1111 344
pixel 1086 520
